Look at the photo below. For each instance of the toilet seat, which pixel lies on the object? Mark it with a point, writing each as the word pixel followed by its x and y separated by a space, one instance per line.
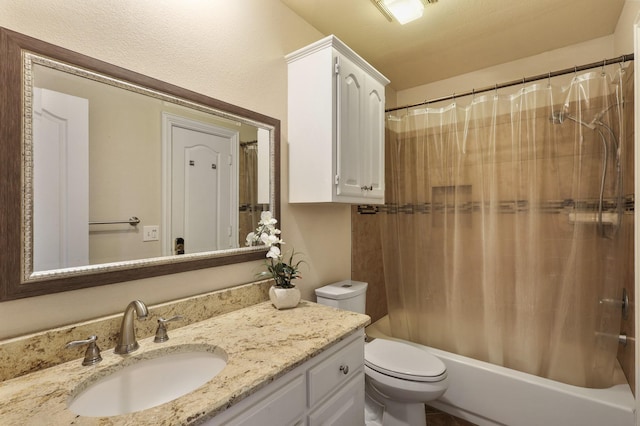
pixel 403 361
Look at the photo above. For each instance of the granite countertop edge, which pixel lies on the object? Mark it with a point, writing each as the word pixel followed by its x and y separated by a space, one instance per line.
pixel 261 342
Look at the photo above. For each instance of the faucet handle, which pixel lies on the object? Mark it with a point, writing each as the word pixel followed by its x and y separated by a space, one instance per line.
pixel 161 332
pixel 92 355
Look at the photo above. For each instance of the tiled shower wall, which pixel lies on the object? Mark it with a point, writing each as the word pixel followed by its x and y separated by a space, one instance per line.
pixel 367 262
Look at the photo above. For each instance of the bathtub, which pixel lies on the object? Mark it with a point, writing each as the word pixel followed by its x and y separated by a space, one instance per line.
pixel 489 395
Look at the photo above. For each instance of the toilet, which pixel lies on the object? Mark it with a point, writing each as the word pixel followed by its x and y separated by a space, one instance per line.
pixel 399 377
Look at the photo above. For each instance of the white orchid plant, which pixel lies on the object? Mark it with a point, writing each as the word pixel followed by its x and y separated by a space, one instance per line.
pixel 283 272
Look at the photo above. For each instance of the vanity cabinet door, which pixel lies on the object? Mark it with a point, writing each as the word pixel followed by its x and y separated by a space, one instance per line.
pixel 279 404
pixel 318 391
pixel 336 386
pixel 344 408
pixel 333 373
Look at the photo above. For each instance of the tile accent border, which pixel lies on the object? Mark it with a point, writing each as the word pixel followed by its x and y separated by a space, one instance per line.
pixel 503 206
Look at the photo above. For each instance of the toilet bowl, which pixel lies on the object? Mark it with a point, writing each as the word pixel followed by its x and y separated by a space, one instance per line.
pixel 399 377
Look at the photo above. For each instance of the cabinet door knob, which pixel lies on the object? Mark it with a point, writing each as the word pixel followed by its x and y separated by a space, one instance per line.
pixel 344 369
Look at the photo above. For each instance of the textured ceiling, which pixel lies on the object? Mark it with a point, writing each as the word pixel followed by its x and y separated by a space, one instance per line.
pixel 458 36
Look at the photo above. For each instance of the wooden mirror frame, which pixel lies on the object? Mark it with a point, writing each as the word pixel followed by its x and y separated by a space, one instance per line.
pixel 12 285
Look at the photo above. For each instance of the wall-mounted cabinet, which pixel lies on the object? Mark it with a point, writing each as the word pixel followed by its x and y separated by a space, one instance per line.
pixel 336 126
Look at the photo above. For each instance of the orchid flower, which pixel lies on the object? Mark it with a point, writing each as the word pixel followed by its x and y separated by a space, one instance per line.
pixel 268 235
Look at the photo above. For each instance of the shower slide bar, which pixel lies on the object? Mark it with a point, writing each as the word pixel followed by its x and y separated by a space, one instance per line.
pixel 524 80
pixel 133 221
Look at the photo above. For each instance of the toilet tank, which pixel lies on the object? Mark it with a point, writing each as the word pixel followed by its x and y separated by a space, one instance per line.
pixel 348 294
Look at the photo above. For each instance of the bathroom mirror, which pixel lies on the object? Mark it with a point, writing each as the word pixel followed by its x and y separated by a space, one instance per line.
pixel 109 175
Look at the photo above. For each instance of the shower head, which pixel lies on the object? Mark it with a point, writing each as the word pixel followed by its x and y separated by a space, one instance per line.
pixel 559 117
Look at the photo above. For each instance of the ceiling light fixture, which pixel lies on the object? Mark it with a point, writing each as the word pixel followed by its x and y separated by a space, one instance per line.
pixel 402 11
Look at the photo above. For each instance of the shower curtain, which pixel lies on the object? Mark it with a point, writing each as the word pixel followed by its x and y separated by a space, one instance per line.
pixel 248 190
pixel 506 229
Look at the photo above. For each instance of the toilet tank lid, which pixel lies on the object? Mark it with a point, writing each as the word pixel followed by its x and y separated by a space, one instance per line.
pixel 342 290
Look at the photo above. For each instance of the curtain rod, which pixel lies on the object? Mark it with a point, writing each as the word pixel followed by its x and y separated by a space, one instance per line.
pixel 524 80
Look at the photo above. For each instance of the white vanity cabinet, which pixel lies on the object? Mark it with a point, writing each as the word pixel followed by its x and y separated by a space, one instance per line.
pixel 326 390
pixel 335 125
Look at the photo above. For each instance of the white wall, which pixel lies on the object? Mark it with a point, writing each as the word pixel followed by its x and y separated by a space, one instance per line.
pixel 619 43
pixel 230 50
pixel 567 57
pixel 623 37
pixel 626 36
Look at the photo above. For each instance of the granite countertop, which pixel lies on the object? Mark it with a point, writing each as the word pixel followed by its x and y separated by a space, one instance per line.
pixel 261 342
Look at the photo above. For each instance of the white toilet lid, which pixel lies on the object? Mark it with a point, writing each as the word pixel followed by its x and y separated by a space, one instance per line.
pixel 403 361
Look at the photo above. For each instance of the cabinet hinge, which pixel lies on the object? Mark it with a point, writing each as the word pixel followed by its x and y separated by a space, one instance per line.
pixel 337 179
pixel 336 67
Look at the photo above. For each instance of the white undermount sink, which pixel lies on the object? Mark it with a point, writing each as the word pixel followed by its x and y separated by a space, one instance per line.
pixel 158 378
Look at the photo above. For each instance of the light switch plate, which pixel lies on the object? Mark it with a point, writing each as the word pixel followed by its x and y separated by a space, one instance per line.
pixel 151 233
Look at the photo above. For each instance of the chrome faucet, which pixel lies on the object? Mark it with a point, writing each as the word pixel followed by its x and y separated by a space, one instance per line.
pixel 127 342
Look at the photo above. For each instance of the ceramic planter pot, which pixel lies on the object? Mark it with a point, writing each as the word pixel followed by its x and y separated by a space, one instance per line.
pixel 284 298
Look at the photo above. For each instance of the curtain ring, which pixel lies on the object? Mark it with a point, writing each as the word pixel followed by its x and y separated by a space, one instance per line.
pixel 549 79
pixel 496 90
pixel 604 64
pixel 473 95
